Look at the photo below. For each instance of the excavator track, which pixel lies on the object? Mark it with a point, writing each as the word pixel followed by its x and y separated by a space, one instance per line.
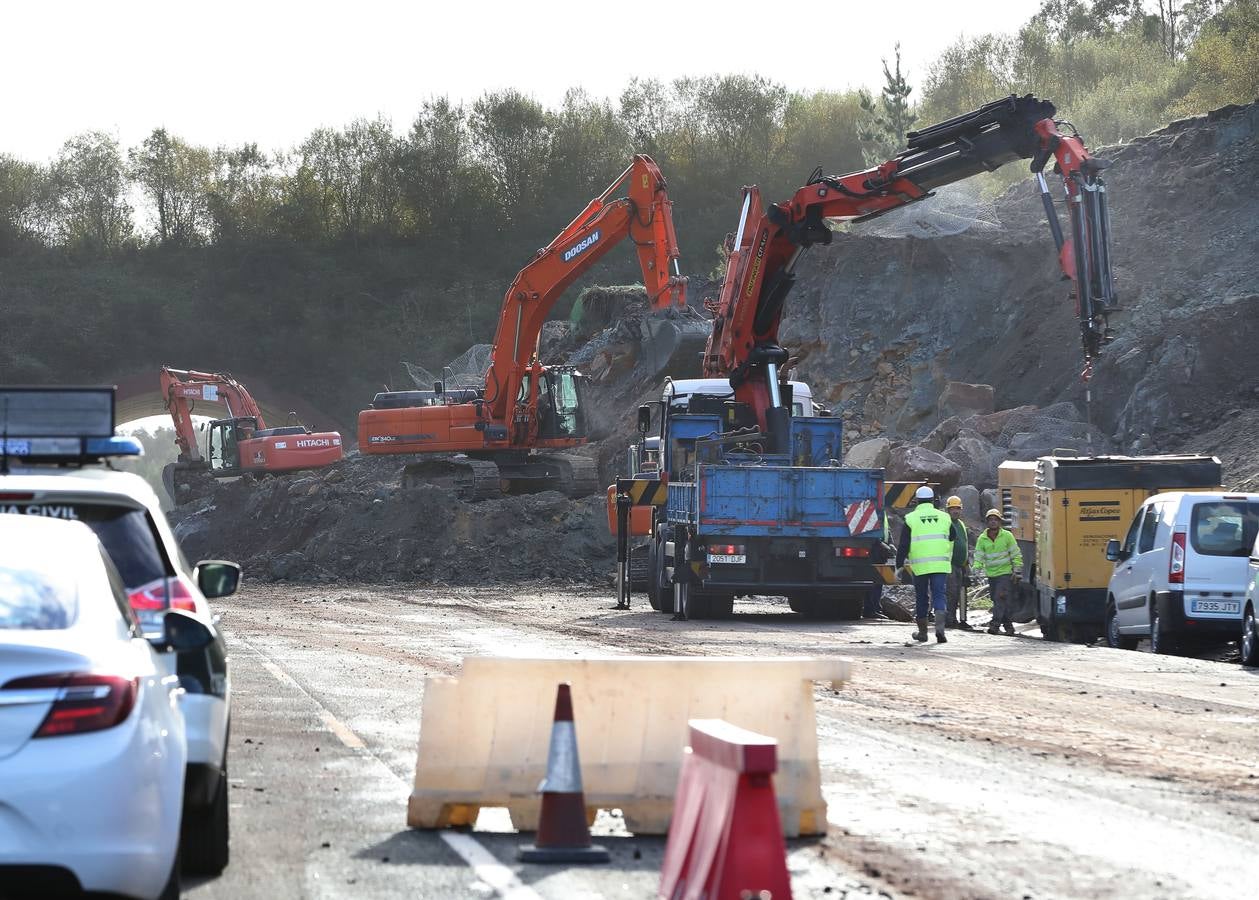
pixel 576 476
pixel 470 479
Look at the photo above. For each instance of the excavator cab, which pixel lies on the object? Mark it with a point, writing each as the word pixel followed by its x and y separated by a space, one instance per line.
pixel 223 443
pixel 561 411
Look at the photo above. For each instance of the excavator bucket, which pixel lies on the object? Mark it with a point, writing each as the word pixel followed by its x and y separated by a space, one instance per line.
pixel 673 342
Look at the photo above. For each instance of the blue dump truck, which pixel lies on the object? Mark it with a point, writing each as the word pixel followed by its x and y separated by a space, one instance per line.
pixel 746 522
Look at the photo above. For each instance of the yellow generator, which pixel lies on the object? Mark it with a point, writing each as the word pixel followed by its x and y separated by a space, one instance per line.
pixel 1072 506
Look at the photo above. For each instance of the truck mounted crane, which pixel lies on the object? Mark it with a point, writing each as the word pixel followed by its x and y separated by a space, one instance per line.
pixel 237 445
pixel 757 502
pixel 509 434
pixel 771 240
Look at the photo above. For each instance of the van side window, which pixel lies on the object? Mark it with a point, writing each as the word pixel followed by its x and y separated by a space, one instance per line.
pixel 1130 542
pixel 1148 528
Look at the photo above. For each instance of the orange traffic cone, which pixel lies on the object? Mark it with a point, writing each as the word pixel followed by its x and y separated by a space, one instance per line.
pixel 563 836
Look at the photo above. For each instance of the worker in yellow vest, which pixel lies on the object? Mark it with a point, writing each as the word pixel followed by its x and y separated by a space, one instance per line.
pixel 997 555
pixel 926 548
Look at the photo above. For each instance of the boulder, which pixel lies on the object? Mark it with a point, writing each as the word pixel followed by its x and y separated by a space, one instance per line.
pixel 989 499
pixel 991 425
pixel 970 502
pixel 871 454
pixel 942 435
pixel 913 463
pixel 962 399
pixel 974 455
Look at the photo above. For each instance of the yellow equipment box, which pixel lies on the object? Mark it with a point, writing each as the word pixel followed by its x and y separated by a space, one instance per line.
pixel 1077 504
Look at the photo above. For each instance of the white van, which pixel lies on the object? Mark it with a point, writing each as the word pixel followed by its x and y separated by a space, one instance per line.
pixel 1181 572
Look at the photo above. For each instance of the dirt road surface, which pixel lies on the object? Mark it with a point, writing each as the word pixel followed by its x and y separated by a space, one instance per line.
pixel 986 767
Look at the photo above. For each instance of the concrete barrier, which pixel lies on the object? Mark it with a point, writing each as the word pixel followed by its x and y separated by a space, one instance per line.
pixel 484 735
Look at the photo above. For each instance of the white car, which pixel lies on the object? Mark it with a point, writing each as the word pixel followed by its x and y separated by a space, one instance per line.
pixel 92 746
pixel 126 516
pixel 1180 573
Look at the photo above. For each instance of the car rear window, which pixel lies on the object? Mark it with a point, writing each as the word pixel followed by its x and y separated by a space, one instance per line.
pixel 1224 527
pixel 126 533
pixel 37 598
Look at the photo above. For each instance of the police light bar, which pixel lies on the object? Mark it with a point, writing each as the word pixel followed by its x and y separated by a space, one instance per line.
pixel 61 424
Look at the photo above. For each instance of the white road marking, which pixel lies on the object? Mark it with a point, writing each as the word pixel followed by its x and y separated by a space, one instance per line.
pixel 469 849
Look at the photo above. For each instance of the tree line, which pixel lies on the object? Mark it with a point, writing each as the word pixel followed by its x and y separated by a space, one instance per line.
pixel 395 227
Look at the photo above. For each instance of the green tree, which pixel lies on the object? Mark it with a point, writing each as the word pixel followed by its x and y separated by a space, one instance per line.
pixel 23 204
pixel 89 194
pixel 512 135
pixel 890 117
pixel 175 177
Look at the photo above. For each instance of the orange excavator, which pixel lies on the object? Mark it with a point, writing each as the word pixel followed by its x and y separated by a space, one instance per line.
pixel 508 436
pixel 238 445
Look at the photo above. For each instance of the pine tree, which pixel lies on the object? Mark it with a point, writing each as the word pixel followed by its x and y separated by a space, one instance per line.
pixel 887 119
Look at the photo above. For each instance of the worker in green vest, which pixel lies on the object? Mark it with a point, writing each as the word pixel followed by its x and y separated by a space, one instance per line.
pixel 960 574
pixel 997 555
pixel 926 548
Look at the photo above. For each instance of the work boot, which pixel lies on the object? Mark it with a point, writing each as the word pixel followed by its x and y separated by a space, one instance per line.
pixel 921 634
pixel 940 638
pixel 966 626
pixel 952 622
pixel 994 628
pixel 1009 628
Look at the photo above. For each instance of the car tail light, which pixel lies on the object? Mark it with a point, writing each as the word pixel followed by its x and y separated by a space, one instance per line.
pixel 16 495
pixel 727 549
pixel 157 595
pixel 853 552
pixel 1176 562
pixel 84 702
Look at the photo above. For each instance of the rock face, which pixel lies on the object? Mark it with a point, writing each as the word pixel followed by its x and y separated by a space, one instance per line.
pixel 871 454
pixel 963 400
pixel 910 463
pixel 970 502
pixel 975 457
pixel 884 323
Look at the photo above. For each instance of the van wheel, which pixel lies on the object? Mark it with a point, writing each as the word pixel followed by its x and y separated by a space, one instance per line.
pixel 1113 638
pixel 1250 638
pixel 1159 642
pixel 204 839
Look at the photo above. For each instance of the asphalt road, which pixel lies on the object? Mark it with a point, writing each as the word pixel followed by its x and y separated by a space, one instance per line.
pixel 986 767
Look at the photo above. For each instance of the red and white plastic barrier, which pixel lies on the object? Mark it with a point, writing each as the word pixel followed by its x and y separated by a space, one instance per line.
pixel 725 840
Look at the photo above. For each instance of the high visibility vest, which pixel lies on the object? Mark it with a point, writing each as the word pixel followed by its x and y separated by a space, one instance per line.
pixel 930 541
pixel 999 557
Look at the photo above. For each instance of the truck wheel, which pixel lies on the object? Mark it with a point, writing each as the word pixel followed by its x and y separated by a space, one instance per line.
pixel 722 607
pixel 1250 638
pixel 659 590
pixel 1049 630
pixel 694 604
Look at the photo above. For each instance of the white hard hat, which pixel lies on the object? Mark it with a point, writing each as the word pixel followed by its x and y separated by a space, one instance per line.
pixel 924 493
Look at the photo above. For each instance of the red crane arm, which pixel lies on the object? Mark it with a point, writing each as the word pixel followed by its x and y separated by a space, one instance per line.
pixel 644 215
pixel 769 242
pixel 181 389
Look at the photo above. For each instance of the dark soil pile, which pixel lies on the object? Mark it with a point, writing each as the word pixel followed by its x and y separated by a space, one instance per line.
pixel 352 521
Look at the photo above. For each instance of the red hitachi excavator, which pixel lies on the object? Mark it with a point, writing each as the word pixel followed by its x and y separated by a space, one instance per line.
pixel 769 241
pixel 238 445
pixel 507 436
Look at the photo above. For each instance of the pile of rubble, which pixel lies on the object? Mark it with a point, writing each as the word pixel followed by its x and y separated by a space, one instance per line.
pixel 352 521
pixel 963 450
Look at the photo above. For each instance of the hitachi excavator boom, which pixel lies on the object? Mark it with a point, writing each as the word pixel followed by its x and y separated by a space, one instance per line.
pixel 240 444
pixel 509 434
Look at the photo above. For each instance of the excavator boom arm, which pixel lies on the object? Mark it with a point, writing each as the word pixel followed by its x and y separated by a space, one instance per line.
pixel 770 240
pixel 644 215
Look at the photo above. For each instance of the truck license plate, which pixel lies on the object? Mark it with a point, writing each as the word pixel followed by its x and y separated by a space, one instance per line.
pixel 1216 606
pixel 737 558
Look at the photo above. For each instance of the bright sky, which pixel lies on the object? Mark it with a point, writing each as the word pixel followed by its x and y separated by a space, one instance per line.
pixel 270 71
